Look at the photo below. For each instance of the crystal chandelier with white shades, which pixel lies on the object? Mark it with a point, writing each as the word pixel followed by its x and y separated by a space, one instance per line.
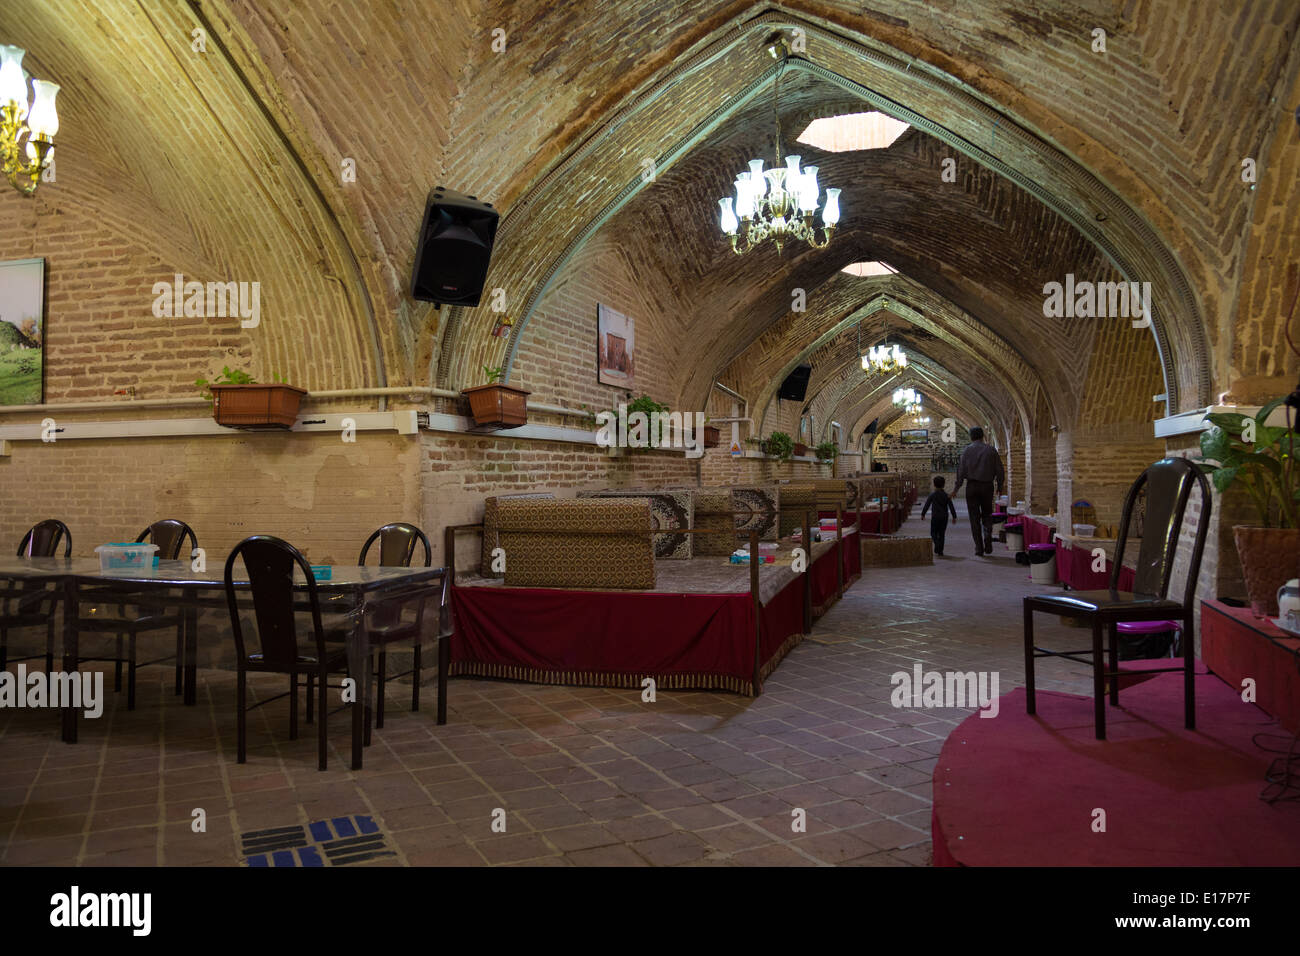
pixel 907 397
pixel 778 204
pixel 27 129
pixel 884 358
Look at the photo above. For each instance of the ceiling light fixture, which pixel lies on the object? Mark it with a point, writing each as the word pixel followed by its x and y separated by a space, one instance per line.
pixel 26 129
pixel 778 204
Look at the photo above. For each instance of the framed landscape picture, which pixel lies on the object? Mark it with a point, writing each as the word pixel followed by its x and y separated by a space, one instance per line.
pixel 615 348
pixel 914 436
pixel 22 332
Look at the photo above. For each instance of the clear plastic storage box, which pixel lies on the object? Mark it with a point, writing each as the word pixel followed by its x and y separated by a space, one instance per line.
pixel 126 557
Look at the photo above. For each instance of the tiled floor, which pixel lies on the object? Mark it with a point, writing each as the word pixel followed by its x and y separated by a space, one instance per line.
pixel 578 776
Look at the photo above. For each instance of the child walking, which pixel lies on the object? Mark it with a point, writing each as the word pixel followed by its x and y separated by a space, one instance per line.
pixel 942 505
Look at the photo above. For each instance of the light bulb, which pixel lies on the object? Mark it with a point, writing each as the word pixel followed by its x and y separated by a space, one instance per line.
pixel 729 223
pixel 13 86
pixel 831 214
pixel 44 119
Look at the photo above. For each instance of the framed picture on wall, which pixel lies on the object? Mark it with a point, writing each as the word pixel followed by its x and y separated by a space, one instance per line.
pixel 615 348
pixel 22 332
pixel 914 436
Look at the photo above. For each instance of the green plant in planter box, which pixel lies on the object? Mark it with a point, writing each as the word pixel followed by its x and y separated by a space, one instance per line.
pixel 780 445
pixel 1265 467
pixel 231 376
pixel 647 406
pixel 827 451
pixel 493 373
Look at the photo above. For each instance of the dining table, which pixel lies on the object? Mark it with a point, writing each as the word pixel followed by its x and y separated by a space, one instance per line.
pixel 349 593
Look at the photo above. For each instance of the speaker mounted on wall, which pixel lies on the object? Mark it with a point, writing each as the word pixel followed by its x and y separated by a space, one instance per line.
pixel 454 249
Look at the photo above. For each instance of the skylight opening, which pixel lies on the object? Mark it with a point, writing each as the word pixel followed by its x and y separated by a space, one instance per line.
pixel 865 269
pixel 853 131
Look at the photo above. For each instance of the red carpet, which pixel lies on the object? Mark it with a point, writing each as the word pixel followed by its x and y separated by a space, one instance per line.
pixel 1016 790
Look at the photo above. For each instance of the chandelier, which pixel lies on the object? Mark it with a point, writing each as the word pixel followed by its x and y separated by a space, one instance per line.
pixel 26 129
pixel 881 359
pixel 906 396
pixel 778 204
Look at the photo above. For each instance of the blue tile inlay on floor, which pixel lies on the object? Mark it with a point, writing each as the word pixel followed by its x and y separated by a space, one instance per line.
pixel 342 840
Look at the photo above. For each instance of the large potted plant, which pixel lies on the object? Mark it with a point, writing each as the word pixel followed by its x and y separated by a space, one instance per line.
pixel 1244 452
pixel 780 446
pixel 497 404
pixel 827 451
pixel 240 402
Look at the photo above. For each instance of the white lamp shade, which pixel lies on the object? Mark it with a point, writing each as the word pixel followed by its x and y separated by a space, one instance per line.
pixel 756 178
pixel 831 214
pixel 792 168
pixel 729 223
pixel 44 119
pixel 13 87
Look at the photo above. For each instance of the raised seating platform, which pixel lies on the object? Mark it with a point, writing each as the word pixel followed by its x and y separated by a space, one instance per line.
pixel 1018 790
pixel 700 627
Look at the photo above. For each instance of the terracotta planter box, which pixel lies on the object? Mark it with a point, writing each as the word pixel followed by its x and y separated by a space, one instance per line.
pixel 502 406
pixel 800 449
pixel 712 436
pixel 1269 558
pixel 256 407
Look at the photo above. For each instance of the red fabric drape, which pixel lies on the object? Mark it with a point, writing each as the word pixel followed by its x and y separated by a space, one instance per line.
pixel 1236 645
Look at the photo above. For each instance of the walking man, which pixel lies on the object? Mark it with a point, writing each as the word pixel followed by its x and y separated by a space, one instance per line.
pixel 981 466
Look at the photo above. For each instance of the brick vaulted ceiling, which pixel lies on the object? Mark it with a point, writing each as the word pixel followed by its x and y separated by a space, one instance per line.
pixel 1126 161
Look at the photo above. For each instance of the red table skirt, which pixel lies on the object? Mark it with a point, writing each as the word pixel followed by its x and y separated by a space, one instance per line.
pixel 870 522
pixel 1236 645
pixel 1074 568
pixel 1036 532
pixel 618 638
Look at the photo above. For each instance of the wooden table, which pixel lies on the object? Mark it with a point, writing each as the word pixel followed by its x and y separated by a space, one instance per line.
pixel 351 591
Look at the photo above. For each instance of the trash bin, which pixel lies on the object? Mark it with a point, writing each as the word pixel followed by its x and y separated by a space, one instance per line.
pixel 1146 640
pixel 1042 563
pixel 1015 536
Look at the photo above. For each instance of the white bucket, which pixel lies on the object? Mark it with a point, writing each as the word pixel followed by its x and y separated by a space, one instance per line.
pixel 1044 573
pixel 1015 541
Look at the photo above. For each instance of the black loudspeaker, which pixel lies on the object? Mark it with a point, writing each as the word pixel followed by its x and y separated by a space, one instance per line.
pixel 795 385
pixel 451 258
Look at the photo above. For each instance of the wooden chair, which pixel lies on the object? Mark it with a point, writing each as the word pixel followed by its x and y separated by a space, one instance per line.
pixel 30 605
pixel 170 536
pixel 1168 484
pixel 270 563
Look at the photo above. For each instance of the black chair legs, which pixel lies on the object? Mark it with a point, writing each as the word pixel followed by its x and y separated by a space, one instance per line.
pixel 322 744
pixel 382 673
pixel 1030 701
pixel 293 706
pixel 415 679
pixel 1112 663
pixel 1098 680
pixel 1189 672
pixel 241 720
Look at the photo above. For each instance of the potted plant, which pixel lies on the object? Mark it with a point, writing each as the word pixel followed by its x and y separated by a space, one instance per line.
pixel 240 402
pixel 712 436
pixel 780 446
pixel 827 451
pixel 497 404
pixel 800 449
pixel 1267 469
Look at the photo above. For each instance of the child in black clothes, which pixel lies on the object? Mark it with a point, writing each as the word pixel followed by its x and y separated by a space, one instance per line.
pixel 939 520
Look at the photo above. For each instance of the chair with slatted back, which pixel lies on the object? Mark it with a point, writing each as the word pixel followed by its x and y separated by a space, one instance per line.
pixel 26 604
pixel 1168 484
pixel 270 564
pixel 170 536
pixel 386 624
